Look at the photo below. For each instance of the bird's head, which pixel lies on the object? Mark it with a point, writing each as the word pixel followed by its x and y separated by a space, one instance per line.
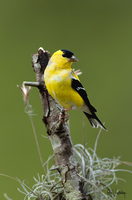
pixel 63 58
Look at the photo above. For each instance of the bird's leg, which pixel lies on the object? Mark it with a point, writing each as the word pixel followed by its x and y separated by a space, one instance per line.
pixel 64 115
pixel 68 109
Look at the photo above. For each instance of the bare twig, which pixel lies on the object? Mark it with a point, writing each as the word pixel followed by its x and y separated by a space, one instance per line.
pixel 25 92
pixel 33 84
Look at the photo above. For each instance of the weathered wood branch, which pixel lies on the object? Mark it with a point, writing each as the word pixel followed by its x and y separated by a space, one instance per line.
pixel 58 132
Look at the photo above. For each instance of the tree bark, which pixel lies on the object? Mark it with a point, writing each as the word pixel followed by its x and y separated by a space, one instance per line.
pixel 58 132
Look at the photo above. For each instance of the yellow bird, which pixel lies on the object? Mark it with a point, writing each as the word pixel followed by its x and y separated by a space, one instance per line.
pixel 64 86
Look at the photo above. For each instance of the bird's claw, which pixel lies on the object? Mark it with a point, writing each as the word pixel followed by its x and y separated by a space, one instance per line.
pixel 64 116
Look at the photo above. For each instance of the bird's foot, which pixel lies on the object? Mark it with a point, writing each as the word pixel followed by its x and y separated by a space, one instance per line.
pixel 64 116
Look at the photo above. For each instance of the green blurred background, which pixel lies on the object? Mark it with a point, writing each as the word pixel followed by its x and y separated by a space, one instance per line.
pixel 99 32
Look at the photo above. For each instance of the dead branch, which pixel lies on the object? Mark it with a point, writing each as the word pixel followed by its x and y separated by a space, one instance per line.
pixel 58 131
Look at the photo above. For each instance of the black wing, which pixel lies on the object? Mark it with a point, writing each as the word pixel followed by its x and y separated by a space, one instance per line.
pixel 76 85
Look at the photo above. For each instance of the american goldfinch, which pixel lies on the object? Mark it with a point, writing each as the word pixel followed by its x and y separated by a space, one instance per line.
pixel 64 86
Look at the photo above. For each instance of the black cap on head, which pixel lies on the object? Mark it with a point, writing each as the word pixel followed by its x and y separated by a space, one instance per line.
pixel 67 53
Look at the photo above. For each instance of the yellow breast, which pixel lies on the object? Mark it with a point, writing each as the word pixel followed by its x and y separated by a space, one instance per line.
pixel 58 83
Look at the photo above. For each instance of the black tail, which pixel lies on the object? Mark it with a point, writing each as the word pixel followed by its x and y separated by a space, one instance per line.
pixel 94 121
